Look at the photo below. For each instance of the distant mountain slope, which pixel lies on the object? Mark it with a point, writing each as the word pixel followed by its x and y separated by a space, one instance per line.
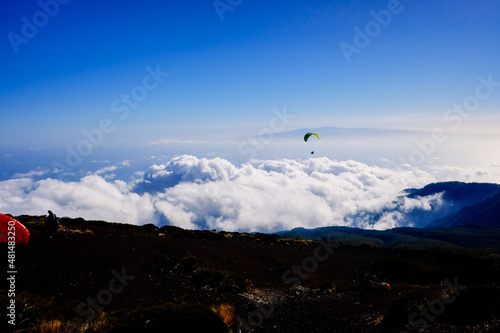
pixel 440 205
pixel 485 213
pixel 459 192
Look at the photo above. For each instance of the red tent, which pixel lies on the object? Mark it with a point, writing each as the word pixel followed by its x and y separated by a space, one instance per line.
pixel 21 235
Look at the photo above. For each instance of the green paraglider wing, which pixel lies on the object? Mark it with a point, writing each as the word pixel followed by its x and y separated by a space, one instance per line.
pixel 306 137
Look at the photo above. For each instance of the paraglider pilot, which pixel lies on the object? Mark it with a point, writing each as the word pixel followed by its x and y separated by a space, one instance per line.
pixel 51 221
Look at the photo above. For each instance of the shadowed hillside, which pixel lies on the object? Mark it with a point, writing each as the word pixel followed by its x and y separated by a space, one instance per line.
pixel 485 213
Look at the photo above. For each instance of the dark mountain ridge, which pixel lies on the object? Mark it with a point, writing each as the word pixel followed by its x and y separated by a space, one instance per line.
pixel 485 213
pixel 472 204
pixel 445 204
pixel 459 192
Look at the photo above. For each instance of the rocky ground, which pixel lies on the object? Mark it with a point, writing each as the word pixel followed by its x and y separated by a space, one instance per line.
pixel 107 273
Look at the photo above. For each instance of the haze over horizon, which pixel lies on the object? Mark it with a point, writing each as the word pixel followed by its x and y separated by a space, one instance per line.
pixel 202 101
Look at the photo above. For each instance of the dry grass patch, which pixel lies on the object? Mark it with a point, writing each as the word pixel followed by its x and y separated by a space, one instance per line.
pixel 226 312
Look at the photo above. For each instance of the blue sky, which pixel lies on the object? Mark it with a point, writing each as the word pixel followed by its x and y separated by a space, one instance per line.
pixel 151 80
pixel 231 73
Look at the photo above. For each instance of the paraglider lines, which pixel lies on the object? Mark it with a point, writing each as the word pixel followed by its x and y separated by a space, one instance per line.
pixel 308 135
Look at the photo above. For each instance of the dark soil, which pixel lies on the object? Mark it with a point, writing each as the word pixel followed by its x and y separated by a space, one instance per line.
pixel 274 284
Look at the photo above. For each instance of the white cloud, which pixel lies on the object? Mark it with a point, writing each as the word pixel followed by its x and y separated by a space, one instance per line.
pixel 176 141
pixel 466 174
pixel 266 196
pixel 186 168
pixel 92 198
pixel 124 163
pixel 34 173
pixel 106 169
pixel 110 168
pixel 12 193
pixel 274 195
pixel 426 203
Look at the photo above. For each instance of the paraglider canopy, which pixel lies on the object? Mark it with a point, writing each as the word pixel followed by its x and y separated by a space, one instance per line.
pixel 10 228
pixel 308 134
pixel 306 137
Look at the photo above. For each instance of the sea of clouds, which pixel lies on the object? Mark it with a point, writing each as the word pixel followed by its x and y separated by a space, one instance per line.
pixel 260 195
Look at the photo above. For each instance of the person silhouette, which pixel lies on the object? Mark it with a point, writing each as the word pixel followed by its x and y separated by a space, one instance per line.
pixel 51 221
